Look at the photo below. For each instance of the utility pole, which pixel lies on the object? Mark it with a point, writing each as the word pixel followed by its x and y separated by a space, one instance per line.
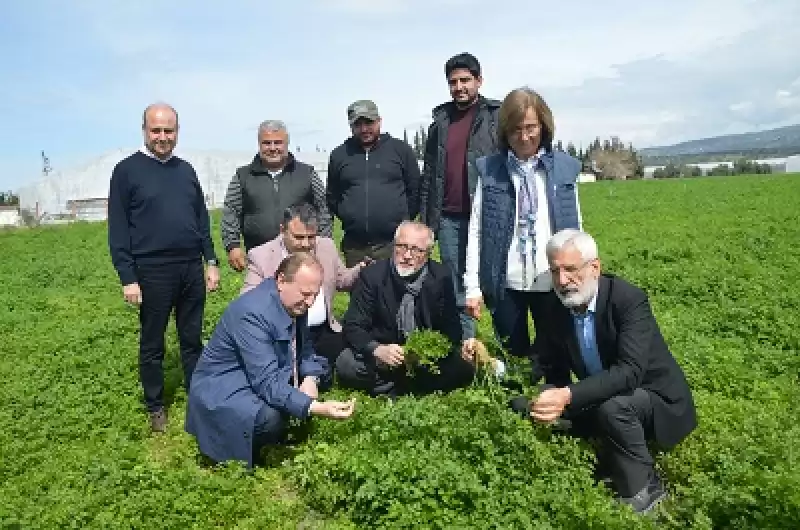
pixel 46 168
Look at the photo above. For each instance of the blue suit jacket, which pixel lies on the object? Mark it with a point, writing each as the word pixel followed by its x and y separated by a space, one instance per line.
pixel 246 365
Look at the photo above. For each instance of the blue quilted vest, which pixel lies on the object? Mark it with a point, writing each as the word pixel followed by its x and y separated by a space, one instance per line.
pixel 498 207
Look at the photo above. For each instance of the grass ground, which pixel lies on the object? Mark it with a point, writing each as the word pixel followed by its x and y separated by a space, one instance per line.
pixel 719 258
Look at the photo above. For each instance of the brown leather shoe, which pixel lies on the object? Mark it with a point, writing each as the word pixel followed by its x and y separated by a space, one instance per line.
pixel 158 421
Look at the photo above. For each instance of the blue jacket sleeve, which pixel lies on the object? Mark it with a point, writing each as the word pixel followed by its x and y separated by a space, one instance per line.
pixel 308 366
pixel 256 342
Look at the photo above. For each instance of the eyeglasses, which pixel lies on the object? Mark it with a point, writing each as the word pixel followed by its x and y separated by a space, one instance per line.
pixel 415 251
pixel 570 270
pixel 527 130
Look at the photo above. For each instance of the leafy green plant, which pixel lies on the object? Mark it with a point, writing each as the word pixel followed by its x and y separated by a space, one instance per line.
pixel 462 460
pixel 717 257
pixel 426 347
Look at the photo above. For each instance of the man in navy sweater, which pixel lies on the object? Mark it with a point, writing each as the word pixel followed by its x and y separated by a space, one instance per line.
pixel 158 235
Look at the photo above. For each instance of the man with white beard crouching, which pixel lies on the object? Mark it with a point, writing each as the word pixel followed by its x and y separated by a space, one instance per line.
pixel 392 298
pixel 629 389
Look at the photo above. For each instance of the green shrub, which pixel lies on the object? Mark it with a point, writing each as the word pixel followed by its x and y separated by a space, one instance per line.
pixel 426 347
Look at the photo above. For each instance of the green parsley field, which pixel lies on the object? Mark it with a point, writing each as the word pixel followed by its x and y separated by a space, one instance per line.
pixel 719 257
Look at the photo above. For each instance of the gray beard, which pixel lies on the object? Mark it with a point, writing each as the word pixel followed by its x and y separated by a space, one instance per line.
pixel 405 272
pixel 578 298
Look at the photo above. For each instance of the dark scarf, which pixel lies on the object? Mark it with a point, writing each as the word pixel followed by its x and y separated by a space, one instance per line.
pixel 405 313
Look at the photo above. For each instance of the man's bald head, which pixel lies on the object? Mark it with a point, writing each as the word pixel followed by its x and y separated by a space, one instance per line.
pixel 155 109
pixel 160 129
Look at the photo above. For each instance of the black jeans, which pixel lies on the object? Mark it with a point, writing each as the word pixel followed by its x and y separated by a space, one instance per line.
pixel 327 342
pixel 364 373
pixel 174 285
pixel 510 319
pixel 622 425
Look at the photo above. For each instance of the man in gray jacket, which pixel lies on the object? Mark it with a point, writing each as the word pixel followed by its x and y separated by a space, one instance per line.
pixel 260 192
pixel 462 131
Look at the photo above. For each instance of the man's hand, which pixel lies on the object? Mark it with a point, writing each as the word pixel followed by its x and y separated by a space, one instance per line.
pixel 212 277
pixel 550 404
pixel 468 350
pixel 337 410
pixel 132 293
pixel 309 387
pixel 473 307
pixel 389 354
pixel 237 259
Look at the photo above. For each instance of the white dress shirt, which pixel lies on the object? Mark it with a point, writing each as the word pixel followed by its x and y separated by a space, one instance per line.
pixel 318 312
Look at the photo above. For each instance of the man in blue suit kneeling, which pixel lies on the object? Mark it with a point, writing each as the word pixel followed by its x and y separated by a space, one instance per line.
pixel 259 368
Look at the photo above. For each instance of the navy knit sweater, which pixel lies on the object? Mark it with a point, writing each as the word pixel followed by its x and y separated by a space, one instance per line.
pixel 156 214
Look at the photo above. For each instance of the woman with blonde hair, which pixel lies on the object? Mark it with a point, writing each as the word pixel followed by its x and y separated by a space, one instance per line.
pixel 526 192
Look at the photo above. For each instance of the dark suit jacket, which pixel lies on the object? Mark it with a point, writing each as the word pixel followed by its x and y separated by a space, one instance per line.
pixel 371 317
pixel 633 352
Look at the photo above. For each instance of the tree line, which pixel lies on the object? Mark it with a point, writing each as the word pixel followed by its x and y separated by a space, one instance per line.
pixel 9 198
pixel 741 166
pixel 608 159
pixel 612 159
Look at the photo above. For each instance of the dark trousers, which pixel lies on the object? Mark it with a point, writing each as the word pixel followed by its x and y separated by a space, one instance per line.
pixel 452 236
pixel 362 372
pixel 175 285
pixel 510 319
pixel 327 342
pixel 622 425
pixel 356 251
pixel 269 429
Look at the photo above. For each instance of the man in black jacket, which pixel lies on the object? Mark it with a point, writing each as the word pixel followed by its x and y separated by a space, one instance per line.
pixel 373 185
pixel 393 298
pixel 260 192
pixel 462 131
pixel 158 236
pixel 630 389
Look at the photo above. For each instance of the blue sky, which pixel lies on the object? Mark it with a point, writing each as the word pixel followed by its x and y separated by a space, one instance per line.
pixel 76 75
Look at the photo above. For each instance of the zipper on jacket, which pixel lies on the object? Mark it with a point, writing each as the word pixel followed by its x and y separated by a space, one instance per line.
pixel 366 188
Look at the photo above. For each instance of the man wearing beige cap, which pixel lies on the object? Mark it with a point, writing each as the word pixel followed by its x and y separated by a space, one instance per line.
pixel 373 185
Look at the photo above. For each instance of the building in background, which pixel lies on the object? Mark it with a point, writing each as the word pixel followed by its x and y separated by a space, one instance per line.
pixel 793 164
pixel 92 209
pixel 81 193
pixel 777 165
pixel 9 215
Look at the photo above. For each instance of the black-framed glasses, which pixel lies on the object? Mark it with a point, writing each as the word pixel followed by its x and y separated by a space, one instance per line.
pixel 415 251
pixel 570 270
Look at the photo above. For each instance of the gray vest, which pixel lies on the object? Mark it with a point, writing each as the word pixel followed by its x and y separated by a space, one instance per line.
pixel 264 198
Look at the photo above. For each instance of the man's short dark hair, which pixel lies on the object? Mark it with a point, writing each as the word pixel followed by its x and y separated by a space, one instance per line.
pixel 306 213
pixel 292 263
pixel 463 61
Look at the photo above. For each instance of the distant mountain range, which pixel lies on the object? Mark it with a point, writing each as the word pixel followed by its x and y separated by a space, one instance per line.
pixel 779 142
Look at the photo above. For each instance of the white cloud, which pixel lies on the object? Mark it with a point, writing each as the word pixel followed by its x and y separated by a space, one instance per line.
pixel 651 73
pixel 741 106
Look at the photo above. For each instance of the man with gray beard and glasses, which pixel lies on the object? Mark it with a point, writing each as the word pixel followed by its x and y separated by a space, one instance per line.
pixel 394 297
pixel 629 388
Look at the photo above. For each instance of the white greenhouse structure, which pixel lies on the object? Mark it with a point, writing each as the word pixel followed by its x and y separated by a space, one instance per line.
pixel 82 192
pixel 793 164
